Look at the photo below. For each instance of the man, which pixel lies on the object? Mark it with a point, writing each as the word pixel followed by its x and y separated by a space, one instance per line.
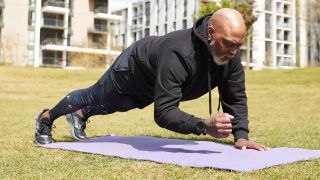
pixel 179 66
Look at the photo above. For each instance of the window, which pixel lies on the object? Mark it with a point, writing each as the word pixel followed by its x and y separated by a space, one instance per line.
pixel 157 30
pixel 100 25
pixel 268 26
pixel 134 36
pixel 285 22
pixel 146 32
pixel 267 5
pixel 185 6
pixel 165 29
pixel 268 53
pixel 166 10
pixel 147 13
pixel 286 49
pixel 123 39
pixel 184 24
pixel 286 9
pixel 31 18
pixel 286 35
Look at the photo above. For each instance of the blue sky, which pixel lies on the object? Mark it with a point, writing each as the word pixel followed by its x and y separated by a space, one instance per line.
pixel 114 4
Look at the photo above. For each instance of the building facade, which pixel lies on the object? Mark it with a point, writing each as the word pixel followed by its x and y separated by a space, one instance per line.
pixel 272 42
pixel 154 17
pixel 53 32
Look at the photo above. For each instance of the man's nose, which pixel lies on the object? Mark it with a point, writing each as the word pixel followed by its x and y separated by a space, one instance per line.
pixel 233 51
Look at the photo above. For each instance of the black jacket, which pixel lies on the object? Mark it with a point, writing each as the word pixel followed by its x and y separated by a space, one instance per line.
pixel 173 68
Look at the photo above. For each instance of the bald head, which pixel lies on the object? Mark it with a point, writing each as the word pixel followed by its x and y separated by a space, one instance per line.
pixel 226 31
pixel 228 19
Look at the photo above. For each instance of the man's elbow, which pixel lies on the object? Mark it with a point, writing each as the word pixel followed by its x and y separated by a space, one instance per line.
pixel 159 118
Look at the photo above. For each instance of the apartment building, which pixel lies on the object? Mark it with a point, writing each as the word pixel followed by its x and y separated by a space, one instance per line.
pixel 54 32
pixel 154 17
pixel 273 42
pixel 274 35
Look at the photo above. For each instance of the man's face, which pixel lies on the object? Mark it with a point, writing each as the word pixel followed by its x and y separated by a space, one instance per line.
pixel 224 44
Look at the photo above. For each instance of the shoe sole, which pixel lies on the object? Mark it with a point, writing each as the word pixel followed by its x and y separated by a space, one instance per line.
pixel 71 122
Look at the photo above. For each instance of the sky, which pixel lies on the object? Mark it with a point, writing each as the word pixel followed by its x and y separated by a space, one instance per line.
pixel 115 4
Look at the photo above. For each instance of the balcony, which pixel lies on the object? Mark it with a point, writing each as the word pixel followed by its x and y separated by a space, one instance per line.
pixel 52 61
pixel 137 15
pixel 285 25
pixel 55 3
pixel 58 7
pixel 53 23
pixel 56 41
pixel 97 45
pixel 99 29
pixel 101 10
pixel 102 13
pixel 136 27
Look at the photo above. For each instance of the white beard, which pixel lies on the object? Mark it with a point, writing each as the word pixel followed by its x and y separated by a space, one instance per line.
pixel 219 60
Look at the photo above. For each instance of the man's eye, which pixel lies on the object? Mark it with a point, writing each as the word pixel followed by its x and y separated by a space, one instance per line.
pixel 229 43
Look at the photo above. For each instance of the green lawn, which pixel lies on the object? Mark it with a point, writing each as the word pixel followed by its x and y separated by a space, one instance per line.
pixel 283 112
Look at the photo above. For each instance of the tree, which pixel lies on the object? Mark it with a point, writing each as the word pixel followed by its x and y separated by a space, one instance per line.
pixel 245 7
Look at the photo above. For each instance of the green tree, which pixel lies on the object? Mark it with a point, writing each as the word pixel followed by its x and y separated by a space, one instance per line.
pixel 245 7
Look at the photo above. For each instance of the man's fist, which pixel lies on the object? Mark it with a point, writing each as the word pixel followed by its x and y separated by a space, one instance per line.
pixel 219 126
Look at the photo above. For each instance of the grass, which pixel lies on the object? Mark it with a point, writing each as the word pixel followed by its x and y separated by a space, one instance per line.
pixel 283 112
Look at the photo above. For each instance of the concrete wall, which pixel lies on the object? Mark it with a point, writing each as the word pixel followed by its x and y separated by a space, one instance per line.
pixel 15 32
pixel 82 19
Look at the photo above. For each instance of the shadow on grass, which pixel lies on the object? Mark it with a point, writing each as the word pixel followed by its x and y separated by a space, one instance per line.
pixel 223 141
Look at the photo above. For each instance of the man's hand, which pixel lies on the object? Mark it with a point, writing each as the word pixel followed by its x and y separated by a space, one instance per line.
pixel 219 126
pixel 246 144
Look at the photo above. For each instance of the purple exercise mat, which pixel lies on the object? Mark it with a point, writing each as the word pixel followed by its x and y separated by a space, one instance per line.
pixel 187 152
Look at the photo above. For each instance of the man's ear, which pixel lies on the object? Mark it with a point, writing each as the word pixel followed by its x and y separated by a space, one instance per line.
pixel 211 31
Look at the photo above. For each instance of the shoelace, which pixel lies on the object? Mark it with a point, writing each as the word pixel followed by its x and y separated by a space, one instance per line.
pixel 83 124
pixel 50 126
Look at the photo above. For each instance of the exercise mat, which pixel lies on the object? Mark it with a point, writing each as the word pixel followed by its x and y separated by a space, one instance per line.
pixel 187 152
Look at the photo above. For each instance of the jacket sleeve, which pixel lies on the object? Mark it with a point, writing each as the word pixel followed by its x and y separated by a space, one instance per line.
pixel 171 74
pixel 234 99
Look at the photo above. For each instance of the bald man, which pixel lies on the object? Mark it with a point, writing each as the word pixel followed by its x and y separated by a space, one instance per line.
pixel 180 66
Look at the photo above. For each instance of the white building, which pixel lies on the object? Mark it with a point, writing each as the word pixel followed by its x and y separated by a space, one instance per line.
pixel 154 17
pixel 274 34
pixel 273 41
pixel 46 32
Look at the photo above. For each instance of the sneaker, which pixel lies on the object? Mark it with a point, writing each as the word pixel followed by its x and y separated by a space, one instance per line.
pixel 77 126
pixel 43 129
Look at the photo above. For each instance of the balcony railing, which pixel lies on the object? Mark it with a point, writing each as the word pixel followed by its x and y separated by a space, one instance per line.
pixel 138 14
pixel 56 41
pixel 53 22
pixel 284 25
pixel 98 45
pixel 52 61
pixel 55 3
pixel 100 27
pixel 101 10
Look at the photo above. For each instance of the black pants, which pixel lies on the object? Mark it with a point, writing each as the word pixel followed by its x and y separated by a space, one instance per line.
pixel 104 96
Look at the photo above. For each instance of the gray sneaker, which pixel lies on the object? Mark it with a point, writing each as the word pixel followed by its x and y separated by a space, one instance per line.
pixel 77 126
pixel 42 133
